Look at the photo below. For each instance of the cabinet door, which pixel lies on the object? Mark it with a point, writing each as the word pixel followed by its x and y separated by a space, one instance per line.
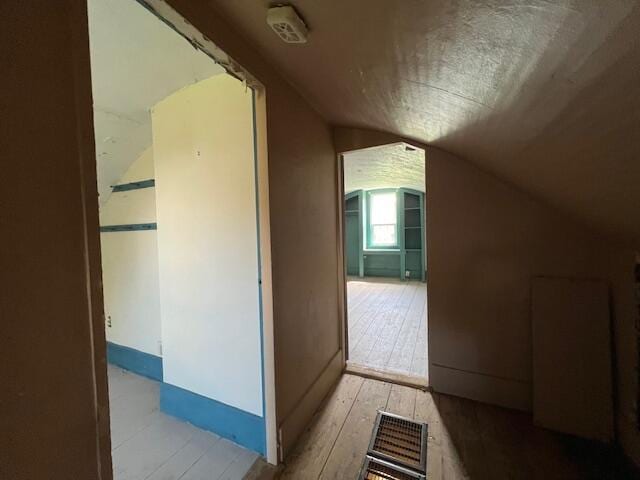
pixel 572 390
pixel 352 239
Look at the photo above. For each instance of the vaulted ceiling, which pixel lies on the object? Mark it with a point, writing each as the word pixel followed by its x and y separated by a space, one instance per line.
pixel 545 94
pixel 389 166
pixel 136 61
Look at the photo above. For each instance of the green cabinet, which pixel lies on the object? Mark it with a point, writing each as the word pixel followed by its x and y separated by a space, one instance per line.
pixel 353 233
pixel 413 242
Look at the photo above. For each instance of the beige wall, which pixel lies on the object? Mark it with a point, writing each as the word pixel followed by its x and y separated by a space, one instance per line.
pixel 486 240
pixel 54 415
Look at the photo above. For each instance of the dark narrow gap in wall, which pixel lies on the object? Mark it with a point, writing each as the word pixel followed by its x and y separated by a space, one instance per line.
pixel 636 275
pixel 383 213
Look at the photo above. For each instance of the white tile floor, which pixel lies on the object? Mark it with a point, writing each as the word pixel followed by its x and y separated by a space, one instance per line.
pixel 149 445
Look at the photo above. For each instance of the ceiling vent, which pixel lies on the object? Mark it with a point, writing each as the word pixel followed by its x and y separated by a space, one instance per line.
pixel 287 24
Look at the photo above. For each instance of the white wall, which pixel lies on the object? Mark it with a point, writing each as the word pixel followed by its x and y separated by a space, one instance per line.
pixel 130 264
pixel 207 242
pixel 136 61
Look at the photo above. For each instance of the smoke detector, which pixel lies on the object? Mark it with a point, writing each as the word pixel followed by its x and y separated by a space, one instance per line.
pixel 287 24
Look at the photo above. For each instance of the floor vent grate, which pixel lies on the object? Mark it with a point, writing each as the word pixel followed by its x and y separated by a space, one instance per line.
pixel 375 469
pixel 399 440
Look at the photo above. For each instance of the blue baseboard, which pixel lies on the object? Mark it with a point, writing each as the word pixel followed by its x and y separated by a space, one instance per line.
pixel 239 426
pixel 142 363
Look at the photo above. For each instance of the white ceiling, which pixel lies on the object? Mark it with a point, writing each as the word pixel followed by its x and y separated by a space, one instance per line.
pixel 136 61
pixel 389 166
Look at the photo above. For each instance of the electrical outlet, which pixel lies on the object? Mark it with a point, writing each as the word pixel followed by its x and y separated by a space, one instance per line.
pixel 109 321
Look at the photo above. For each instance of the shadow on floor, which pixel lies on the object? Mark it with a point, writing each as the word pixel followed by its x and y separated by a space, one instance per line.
pixel 466 439
pixel 483 441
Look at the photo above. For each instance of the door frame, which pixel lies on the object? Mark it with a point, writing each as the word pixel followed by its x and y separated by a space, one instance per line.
pixel 80 45
pixel 342 262
pixel 343 308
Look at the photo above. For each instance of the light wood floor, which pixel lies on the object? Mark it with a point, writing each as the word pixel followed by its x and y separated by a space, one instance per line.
pixel 467 440
pixel 387 325
pixel 149 445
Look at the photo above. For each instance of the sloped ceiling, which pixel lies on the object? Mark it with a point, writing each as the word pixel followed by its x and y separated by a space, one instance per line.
pixel 136 61
pixel 389 166
pixel 544 94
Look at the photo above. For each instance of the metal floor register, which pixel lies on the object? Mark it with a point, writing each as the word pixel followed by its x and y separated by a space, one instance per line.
pixel 397 450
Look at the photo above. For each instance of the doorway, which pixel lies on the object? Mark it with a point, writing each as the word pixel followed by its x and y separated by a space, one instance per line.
pixel 181 180
pixel 385 251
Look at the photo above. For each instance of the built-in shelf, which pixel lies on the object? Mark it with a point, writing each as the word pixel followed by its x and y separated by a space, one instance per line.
pixel 405 261
pixel 413 238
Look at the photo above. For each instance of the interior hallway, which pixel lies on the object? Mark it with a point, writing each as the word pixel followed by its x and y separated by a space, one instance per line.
pixel 149 445
pixel 387 324
pixel 466 440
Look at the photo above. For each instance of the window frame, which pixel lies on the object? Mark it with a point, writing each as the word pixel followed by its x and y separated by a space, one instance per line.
pixel 369 245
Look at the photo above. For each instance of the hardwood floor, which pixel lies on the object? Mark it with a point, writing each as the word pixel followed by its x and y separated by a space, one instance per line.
pixel 149 445
pixel 467 440
pixel 387 325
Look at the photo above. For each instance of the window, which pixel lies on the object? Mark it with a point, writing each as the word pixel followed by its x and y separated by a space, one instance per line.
pixel 383 219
